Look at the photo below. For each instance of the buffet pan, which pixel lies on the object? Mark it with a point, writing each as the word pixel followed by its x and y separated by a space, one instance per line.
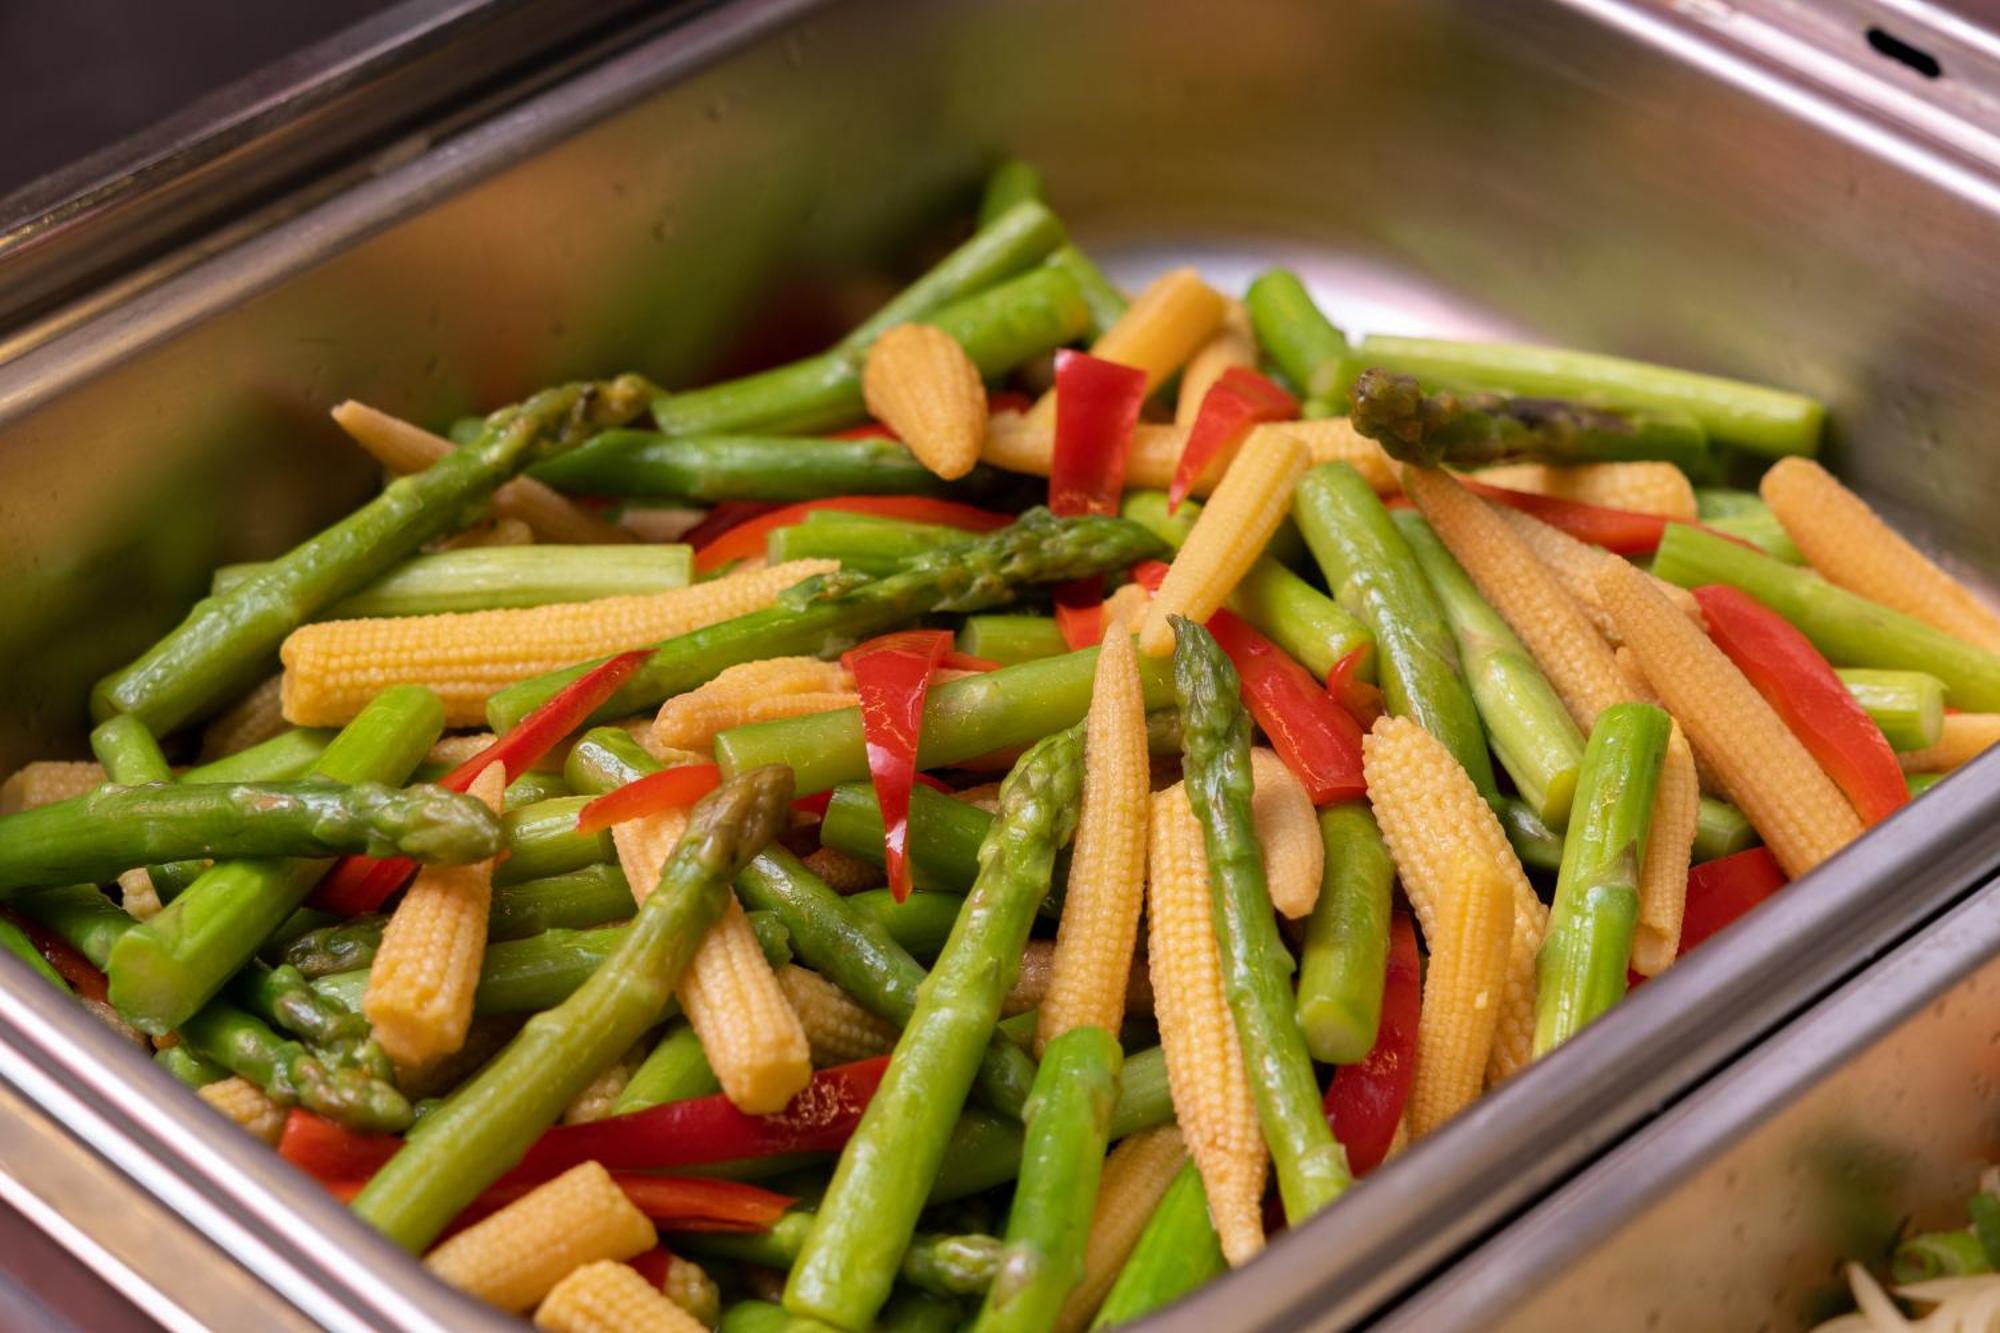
pixel 1873 1112
pixel 1634 178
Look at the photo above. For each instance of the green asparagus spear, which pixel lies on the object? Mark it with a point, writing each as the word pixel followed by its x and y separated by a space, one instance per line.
pixel 705 469
pixel 945 833
pixel 1761 528
pixel 1068 1118
pixel 1307 349
pixel 920 923
pixel 851 1256
pixel 1539 846
pixel 542 841
pixel 1011 183
pixel 1374 574
pixel 227 641
pixel 605 758
pixel 1346 953
pixel 764 1317
pixel 290 754
pixel 1580 971
pixel 1531 731
pixel 830 617
pixel 1006 244
pixel 875 548
pixel 1907 705
pixel 1765 421
pixel 1107 304
pixel 1852 631
pixel 963 718
pixel 1009 639
pixel 1474 429
pixel 485 1126
pixel 1176 1253
pixel 163 971
pixel 188 1068
pixel 485 578
pixel 999 328
pixel 1721 830
pixel 1310 1165
pixel 14 940
pixel 911 1310
pixel 856 953
pixel 103 833
pixel 1296 616
pixel 131 757
pixel 946 1265
pixel 675 1070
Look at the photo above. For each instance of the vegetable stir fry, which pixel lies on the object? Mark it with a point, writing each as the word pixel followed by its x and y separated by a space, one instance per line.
pixel 1948 1277
pixel 1094 777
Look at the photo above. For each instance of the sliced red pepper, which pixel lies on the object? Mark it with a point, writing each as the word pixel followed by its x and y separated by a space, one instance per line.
pixel 958 661
pixel 1237 401
pixel 1365 1101
pixel 1622 530
pixel 725 515
pixel 873 430
pixel 82 975
pixel 1097 408
pixel 1722 890
pixel 892 675
pixel 328 1150
pixel 1362 701
pixel 669 789
pixel 746 539
pixel 814 804
pixel 1007 400
pixel 358 884
pixel 706 1130
pixel 1800 685
pixel 653 1265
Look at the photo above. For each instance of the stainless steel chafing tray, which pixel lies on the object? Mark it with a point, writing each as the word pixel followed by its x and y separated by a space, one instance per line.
pixel 1875 1110
pixel 1683 184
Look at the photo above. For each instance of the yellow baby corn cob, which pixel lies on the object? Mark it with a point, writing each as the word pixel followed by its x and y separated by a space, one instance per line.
pixel 660 523
pixel 1524 591
pixel 1642 488
pixel 1462 987
pixel 986 796
pixel 1334 440
pixel 1669 847
pixel 1126 607
pixel 402 447
pixel 333 669
pixel 611 1297
pixel 1159 331
pixel 515 1257
pixel 1092 962
pixel 1964 737
pixel 842 873
pixel 1844 540
pixel 419 997
pixel 689 1286
pixel 837 1029
pixel 1016 442
pixel 137 895
pixel 752 692
pixel 251 720
pixel 1254 497
pixel 1205 1070
pixel 1288 826
pixel 1764 769
pixel 245 1103
pixel 1575 565
pixel 920 383
pixel 1136 1176
pixel 47 781
pixel 601 1093
pixel 1429 810
pixel 1230 347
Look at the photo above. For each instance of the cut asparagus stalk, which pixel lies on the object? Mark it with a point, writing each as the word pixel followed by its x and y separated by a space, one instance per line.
pixel 1907 705
pixel 487 578
pixel 705 469
pixel 1307 349
pixel 1346 953
pixel 1011 639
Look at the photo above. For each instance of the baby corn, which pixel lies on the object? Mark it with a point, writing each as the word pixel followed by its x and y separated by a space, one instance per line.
pixel 1575 565
pixel 1430 813
pixel 252 720
pixel 1642 488
pixel 1288 827
pixel 1669 847
pixel 837 1029
pixel 47 781
pixel 419 998
pixel 920 383
pixel 1843 539
pixel 1205 1070
pixel 1963 738
pixel 1159 331
pixel 333 669
pixel 611 1297
pixel 245 1103
pixel 1467 975
pixel 752 692
pixel 1136 1176
pixel 1230 347
pixel 842 873
pixel 515 1257
pixel 1254 497
pixel 1764 769
pixel 1092 963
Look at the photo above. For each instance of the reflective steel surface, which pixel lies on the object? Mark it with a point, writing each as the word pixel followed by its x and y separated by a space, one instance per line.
pixel 1618 176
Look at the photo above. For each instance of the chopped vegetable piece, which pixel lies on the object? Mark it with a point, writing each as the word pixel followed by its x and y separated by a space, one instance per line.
pixel 1237 401
pixel 1720 891
pixel 892 674
pixel 1097 405
pixel 668 789
pixel 1365 1100
pixel 1620 531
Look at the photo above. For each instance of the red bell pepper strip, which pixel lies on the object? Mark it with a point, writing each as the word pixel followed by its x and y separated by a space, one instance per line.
pixel 328 1150
pixel 957 661
pixel 1362 701
pixel 1802 688
pixel 706 1130
pixel 1364 1103
pixel 1621 530
pixel 892 675
pixel 652 1265
pixel 1238 400
pixel 359 884
pixel 79 972
pixel 1097 407
pixel 1006 400
pixel 669 789
pixel 1720 891
pixel 745 540
pixel 725 515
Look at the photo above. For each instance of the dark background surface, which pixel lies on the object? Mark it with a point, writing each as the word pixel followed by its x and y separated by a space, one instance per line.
pixel 79 75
